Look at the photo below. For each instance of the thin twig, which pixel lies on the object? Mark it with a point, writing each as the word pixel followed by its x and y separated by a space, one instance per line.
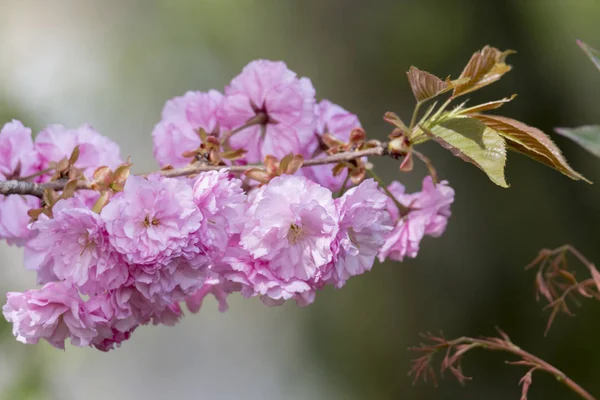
pixel 36 189
pixel 259 119
pixel 457 348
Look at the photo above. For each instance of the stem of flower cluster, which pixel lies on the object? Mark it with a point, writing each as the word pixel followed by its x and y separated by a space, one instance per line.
pixel 36 189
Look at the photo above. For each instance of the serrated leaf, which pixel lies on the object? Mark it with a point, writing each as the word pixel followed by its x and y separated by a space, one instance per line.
pixel 530 141
pixel 587 136
pixel 484 67
pixel 426 86
pixel 592 53
pixel 472 141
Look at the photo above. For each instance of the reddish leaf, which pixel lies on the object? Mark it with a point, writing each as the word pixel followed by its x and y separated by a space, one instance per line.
pixel 531 142
pixel 484 67
pixel 424 85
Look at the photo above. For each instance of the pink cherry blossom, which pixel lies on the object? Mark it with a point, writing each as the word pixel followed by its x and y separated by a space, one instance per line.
pixel 114 318
pixel 153 221
pixel 177 132
pixel 166 282
pixel 74 245
pixel 18 158
pixel 338 122
pixel 286 104
pixel 431 210
pixel 57 142
pixel 291 228
pixel 257 279
pixel 216 285
pixel 53 313
pixel 222 202
pixel 364 225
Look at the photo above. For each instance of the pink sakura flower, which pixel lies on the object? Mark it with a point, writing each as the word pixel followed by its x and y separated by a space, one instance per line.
pixel 177 132
pixel 114 318
pixel 166 282
pixel 57 142
pixel 153 221
pixel 290 228
pixel 364 225
pixel 338 122
pixel 222 202
pixel 285 105
pixel 18 158
pixel 429 216
pixel 53 313
pixel 257 279
pixel 74 245
pixel 216 285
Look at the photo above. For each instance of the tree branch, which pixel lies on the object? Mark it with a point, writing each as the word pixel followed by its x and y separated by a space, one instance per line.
pixel 37 189
pixel 456 349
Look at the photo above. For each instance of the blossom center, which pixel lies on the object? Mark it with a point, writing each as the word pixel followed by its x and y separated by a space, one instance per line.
pixel 150 221
pixel 295 233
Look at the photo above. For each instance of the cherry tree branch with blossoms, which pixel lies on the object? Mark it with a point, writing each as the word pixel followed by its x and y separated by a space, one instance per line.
pixel 262 191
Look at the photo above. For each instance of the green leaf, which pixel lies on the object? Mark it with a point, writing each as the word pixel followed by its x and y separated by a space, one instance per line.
pixel 530 141
pixel 592 53
pixel 587 136
pixel 474 142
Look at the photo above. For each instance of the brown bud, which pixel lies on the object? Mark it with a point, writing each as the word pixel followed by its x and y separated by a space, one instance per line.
pixel 259 175
pixel 74 155
pixel 399 146
pixel 357 136
pixel 407 164
pixel 294 165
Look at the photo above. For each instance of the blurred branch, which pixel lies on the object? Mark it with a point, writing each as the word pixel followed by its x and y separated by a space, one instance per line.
pixel 455 349
pixel 557 284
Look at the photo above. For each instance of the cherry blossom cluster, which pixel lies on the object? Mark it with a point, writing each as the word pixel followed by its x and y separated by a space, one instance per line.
pixel 110 261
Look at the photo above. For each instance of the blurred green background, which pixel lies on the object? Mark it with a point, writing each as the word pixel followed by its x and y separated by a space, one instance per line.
pixel 114 63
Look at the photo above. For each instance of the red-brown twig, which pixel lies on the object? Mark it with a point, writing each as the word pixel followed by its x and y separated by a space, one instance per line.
pixel 34 189
pixel 455 349
pixel 557 284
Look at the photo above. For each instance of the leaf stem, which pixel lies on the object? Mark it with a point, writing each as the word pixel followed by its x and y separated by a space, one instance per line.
pixel 401 207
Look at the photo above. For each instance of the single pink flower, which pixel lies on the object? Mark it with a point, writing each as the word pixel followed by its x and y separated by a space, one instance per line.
pixel 114 318
pixel 167 282
pixel 364 225
pixel 182 117
pixel 53 313
pixel 75 244
pixel 339 123
pixel 291 227
pixel 257 279
pixel 153 221
pixel 429 216
pixel 285 105
pixel 57 142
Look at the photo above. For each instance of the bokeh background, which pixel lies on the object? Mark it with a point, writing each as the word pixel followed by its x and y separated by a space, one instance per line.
pixel 113 63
